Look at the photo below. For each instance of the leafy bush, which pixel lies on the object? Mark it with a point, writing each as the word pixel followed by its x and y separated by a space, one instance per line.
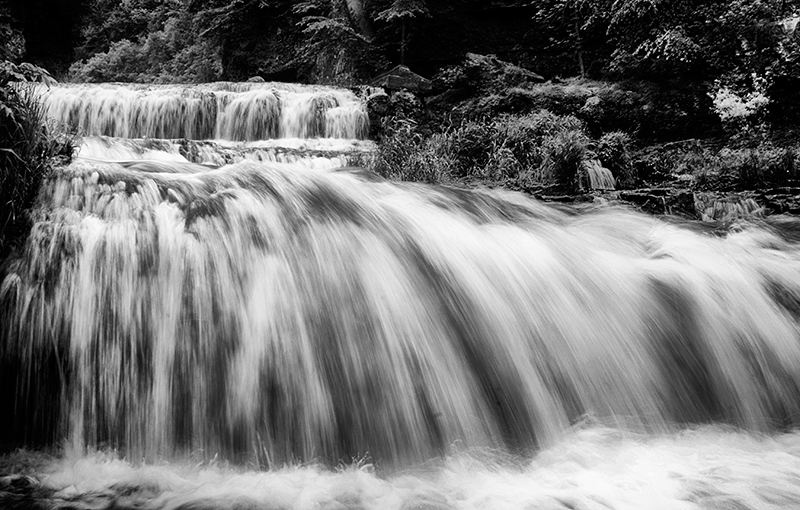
pixel 564 155
pixel 526 135
pixel 614 151
pixel 539 148
pixel 171 55
pixel 471 145
pixel 726 168
pixel 762 166
pixel 739 111
pixel 29 146
pixel 649 111
pixel 405 155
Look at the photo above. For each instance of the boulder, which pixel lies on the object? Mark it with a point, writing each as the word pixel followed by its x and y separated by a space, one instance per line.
pixel 401 77
pixel 480 78
pixel 492 69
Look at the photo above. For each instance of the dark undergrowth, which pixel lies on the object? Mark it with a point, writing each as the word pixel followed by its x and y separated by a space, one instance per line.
pixel 523 151
pixel 543 149
pixel 30 146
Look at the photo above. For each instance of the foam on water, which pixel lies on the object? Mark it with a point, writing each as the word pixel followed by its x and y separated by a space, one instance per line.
pixel 592 468
pixel 209 111
pixel 319 153
pixel 267 313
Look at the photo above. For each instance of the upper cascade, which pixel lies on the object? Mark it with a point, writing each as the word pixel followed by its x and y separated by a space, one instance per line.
pixel 221 111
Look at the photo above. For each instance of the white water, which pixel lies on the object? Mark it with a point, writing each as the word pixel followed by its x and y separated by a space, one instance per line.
pixel 269 314
pixel 592 468
pixel 244 111
pixel 317 153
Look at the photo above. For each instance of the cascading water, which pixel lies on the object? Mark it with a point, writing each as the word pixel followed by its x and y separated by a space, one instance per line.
pixel 229 111
pixel 279 313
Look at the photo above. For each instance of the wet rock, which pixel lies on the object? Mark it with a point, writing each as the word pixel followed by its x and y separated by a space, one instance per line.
pixel 377 109
pixel 726 207
pixel 784 200
pixel 492 69
pixel 18 492
pixel 673 201
pixel 401 77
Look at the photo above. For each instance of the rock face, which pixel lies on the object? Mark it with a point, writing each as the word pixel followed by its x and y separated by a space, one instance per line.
pixel 492 69
pixel 482 74
pixel 401 77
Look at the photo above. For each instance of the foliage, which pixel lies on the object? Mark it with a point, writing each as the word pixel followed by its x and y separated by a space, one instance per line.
pixel 28 147
pixel 529 150
pixel 614 152
pixel 173 53
pixel 691 43
pixel 349 60
pixel 750 168
pixel 402 13
pixel 403 10
pixel 719 168
pixel 563 157
pixel 740 111
pixel 12 42
pixel 405 155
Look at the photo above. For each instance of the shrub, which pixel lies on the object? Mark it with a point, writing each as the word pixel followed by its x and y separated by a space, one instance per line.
pixel 534 149
pixel 727 168
pixel 614 151
pixel 171 55
pixel 525 135
pixel 564 155
pixel 761 166
pixel 404 154
pixel 471 145
pixel 29 146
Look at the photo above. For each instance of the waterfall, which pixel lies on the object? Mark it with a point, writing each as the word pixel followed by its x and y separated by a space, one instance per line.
pixel 270 313
pixel 227 111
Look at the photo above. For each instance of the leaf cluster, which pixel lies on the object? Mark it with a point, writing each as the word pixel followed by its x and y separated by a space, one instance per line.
pixel 29 146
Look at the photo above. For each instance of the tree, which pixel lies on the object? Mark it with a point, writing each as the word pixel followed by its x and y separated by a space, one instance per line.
pixel 403 12
pixel 573 26
pixel 335 50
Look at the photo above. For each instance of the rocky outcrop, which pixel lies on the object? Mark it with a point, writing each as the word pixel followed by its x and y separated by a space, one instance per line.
pixel 780 200
pixel 483 73
pixel 401 77
pixel 491 69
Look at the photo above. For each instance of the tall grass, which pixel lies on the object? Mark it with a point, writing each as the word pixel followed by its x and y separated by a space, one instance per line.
pixel 29 147
pixel 710 167
pixel 406 155
pixel 525 150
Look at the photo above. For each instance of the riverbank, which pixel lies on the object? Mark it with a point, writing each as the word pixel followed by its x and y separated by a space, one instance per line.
pixel 489 123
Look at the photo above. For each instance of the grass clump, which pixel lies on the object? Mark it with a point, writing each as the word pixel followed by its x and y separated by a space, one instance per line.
pixel 404 154
pixel 614 150
pixel 29 148
pixel 762 166
pixel 725 168
pixel 521 150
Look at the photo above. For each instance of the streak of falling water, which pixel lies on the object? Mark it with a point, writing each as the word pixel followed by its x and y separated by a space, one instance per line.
pixel 273 313
pixel 242 112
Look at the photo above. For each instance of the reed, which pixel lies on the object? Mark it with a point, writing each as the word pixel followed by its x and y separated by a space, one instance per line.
pixel 30 146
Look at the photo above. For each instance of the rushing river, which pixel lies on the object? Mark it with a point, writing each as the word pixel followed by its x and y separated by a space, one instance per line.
pixel 214 311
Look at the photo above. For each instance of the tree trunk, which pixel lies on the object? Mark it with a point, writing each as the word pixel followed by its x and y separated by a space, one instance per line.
pixel 580 46
pixel 356 8
pixel 403 43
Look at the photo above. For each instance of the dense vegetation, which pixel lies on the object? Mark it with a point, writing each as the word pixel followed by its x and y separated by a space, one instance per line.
pixel 29 147
pixel 687 41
